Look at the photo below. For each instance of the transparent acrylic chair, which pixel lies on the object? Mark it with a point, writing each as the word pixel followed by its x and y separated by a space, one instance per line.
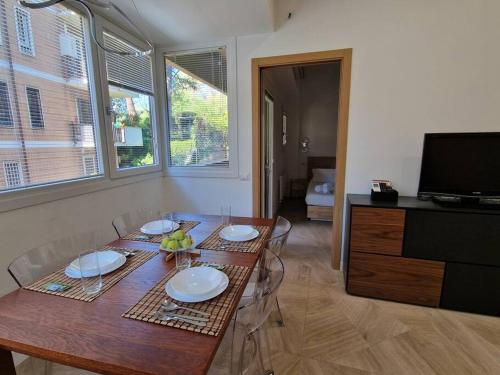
pixel 131 221
pixel 279 235
pixel 50 257
pixel 275 243
pixel 250 319
pixel 45 259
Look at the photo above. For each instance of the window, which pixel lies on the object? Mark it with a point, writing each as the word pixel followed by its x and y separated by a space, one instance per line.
pixel 13 174
pixel 130 84
pixel 34 107
pixel 197 108
pixel 89 167
pixel 42 96
pixel 24 32
pixel 5 110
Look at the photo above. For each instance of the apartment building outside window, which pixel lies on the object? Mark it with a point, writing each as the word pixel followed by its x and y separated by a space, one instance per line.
pixel 40 92
pixel 24 32
pixel 5 109
pixel 34 107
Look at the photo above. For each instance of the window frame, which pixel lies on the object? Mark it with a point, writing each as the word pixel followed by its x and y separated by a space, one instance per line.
pixel 38 194
pixel 31 52
pixel 102 26
pixel 19 168
pixel 26 87
pixel 9 102
pixel 232 102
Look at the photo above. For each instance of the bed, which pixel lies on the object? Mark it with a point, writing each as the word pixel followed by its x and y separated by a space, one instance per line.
pixel 320 205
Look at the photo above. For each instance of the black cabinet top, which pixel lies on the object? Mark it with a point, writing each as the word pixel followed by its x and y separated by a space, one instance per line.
pixel 414 203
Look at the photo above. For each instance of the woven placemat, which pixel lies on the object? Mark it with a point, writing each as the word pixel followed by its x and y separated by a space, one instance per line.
pixel 219 307
pixel 139 236
pixel 76 292
pixel 213 242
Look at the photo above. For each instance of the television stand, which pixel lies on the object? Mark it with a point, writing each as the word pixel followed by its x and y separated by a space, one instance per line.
pixel 425 253
pixel 467 202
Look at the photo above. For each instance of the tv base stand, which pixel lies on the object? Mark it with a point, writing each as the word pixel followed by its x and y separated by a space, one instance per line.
pixel 424 253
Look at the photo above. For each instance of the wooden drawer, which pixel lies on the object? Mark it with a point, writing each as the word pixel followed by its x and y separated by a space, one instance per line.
pixel 395 278
pixel 377 230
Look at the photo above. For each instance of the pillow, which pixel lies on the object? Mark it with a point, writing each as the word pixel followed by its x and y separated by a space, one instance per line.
pixel 323 175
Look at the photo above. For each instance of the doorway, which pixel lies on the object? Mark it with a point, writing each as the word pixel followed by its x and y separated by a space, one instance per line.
pixel 258 157
pixel 267 154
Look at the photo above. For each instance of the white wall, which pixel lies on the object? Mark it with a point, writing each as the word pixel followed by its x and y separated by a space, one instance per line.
pixel 418 67
pixel 27 228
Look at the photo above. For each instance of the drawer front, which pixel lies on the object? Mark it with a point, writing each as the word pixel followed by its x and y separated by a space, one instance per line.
pixel 377 230
pixel 453 237
pixel 395 278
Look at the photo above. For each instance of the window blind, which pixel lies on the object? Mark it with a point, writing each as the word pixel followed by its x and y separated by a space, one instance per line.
pixel 42 137
pixel 197 108
pixel 128 72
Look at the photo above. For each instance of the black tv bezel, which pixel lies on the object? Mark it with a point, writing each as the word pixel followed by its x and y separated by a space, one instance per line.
pixel 451 193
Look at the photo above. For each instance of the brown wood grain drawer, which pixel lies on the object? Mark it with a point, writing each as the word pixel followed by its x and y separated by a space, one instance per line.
pixel 377 230
pixel 395 278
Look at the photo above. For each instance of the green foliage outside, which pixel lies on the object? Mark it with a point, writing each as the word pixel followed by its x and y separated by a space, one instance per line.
pixel 198 119
pixel 134 156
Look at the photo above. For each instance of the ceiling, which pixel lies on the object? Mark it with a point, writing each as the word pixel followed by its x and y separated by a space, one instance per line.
pixel 173 22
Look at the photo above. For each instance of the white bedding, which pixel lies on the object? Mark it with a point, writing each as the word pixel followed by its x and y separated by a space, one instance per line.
pixel 318 199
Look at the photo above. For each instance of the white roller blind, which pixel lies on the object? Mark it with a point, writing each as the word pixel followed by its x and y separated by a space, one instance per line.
pixel 198 109
pixel 129 72
pixel 43 76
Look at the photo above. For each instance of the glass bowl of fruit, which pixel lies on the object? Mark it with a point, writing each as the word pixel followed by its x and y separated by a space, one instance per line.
pixel 178 240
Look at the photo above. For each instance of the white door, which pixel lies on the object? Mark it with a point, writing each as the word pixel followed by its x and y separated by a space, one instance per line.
pixel 267 155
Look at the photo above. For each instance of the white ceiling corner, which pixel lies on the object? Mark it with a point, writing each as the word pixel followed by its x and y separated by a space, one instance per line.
pixel 169 22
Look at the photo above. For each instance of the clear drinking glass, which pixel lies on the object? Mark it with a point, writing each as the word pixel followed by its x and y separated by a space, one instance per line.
pixel 225 217
pixel 167 223
pixel 182 259
pixel 225 214
pixel 90 272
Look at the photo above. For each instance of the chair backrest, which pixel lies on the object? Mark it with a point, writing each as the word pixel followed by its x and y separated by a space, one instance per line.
pixel 131 221
pixel 50 257
pixel 279 235
pixel 271 273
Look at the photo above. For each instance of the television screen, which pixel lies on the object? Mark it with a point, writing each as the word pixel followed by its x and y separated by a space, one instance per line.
pixel 461 164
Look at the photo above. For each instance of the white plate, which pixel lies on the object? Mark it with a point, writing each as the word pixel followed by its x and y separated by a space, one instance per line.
pixel 196 281
pixel 238 233
pixel 156 227
pixel 109 261
pixel 204 297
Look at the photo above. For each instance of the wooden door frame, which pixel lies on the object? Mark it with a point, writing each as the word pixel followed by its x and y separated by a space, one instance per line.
pixel 345 58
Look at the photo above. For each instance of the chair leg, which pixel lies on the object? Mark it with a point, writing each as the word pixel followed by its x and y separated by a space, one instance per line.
pixel 281 322
pixel 259 347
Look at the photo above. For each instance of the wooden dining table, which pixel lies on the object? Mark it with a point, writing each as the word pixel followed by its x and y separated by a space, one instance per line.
pixel 94 336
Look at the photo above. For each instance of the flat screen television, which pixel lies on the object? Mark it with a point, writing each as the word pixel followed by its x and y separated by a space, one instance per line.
pixel 460 164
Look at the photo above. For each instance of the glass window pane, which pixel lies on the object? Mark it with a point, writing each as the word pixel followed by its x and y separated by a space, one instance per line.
pixel 197 106
pixel 43 138
pixel 132 130
pixel 130 84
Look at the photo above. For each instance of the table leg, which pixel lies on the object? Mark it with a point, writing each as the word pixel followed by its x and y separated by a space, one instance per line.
pixel 6 363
